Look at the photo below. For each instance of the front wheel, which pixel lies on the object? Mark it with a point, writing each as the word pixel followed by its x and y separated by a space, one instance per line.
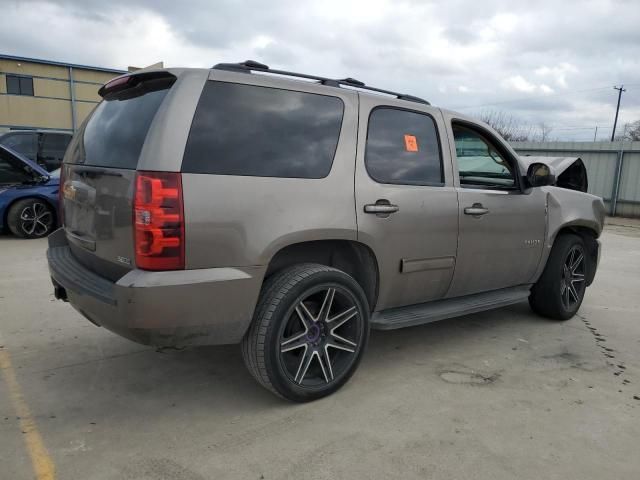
pixel 560 289
pixel 309 332
pixel 31 218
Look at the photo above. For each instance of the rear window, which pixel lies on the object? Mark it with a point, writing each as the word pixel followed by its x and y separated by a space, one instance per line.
pixel 266 132
pixel 115 132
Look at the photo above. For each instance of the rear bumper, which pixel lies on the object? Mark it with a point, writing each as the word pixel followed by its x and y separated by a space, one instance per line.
pixel 186 307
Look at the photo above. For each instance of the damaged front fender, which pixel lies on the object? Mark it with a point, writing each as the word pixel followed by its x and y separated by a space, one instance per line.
pixel 573 211
pixel 571 208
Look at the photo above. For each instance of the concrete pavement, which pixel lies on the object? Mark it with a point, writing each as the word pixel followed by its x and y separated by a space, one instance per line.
pixel 497 395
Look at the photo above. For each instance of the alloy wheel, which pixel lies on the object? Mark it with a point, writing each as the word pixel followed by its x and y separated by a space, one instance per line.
pixel 321 337
pixel 36 219
pixel 572 283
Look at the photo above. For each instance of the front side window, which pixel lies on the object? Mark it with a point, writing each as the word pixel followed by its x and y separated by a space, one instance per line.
pixel 265 132
pixel 402 148
pixel 18 85
pixel 480 165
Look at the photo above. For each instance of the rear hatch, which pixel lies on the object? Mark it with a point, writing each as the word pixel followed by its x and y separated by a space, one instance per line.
pixel 99 172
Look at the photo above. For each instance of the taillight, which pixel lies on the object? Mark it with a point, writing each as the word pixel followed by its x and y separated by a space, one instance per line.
pixel 159 221
pixel 61 196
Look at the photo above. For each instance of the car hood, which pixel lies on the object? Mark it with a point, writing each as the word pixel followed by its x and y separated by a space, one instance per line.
pixel 570 172
pixel 558 164
pixel 27 161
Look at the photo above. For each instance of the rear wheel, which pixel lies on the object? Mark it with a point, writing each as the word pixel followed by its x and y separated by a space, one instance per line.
pixel 309 332
pixel 31 218
pixel 560 290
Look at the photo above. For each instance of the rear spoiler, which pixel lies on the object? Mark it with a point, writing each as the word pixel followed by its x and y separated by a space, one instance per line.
pixel 133 85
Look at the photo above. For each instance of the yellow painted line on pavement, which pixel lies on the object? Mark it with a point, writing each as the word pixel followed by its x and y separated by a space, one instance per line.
pixel 43 466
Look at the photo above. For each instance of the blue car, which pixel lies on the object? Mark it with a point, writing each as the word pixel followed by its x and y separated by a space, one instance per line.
pixel 28 196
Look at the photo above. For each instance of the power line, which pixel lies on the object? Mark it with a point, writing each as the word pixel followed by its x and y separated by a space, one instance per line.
pixel 637 99
pixel 528 99
pixel 579 128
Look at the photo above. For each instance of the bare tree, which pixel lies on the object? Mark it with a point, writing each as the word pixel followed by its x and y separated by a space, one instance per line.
pixel 508 126
pixel 545 131
pixel 632 131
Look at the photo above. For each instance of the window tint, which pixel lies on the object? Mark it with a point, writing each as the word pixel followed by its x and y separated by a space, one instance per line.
pixel 402 147
pixel 266 132
pixel 52 150
pixel 24 143
pixel 115 133
pixel 479 163
pixel 17 85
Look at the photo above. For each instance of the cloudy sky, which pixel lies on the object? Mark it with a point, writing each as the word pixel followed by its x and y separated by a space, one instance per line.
pixel 545 61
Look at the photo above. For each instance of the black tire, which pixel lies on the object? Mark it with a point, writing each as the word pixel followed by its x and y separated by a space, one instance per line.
pixel 31 218
pixel 551 296
pixel 287 354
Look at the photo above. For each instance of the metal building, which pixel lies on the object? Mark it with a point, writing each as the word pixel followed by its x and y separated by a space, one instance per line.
pixel 44 94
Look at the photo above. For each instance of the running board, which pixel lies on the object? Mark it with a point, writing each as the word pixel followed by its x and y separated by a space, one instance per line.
pixel 451 307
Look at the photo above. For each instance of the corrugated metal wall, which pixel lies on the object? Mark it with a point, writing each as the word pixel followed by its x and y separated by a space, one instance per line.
pixel 613 169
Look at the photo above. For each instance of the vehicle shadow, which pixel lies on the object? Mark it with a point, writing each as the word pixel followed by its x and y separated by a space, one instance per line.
pixel 144 384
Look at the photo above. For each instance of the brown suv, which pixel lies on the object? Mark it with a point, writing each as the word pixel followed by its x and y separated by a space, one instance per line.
pixel 240 204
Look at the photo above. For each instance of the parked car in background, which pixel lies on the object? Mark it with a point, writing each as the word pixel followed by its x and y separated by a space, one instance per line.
pixel 45 147
pixel 216 206
pixel 28 196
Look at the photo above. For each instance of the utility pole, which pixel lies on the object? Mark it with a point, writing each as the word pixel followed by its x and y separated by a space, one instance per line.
pixel 620 90
pixel 595 134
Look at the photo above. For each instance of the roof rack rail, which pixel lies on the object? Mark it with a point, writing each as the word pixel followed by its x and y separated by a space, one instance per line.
pixel 251 65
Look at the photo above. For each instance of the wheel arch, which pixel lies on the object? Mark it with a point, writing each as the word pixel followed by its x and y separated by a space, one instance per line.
pixel 350 256
pixel 590 238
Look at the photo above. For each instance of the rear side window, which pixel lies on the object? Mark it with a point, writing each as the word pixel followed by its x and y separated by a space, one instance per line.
pixel 265 132
pixel 115 132
pixel 52 150
pixel 403 148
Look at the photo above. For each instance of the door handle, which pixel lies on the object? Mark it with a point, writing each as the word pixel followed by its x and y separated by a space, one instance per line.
pixel 476 210
pixel 381 208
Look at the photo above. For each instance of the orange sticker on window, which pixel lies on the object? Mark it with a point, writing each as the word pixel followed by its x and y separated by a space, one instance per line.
pixel 410 143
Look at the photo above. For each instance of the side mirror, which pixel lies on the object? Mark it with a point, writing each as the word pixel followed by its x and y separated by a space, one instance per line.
pixel 539 175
